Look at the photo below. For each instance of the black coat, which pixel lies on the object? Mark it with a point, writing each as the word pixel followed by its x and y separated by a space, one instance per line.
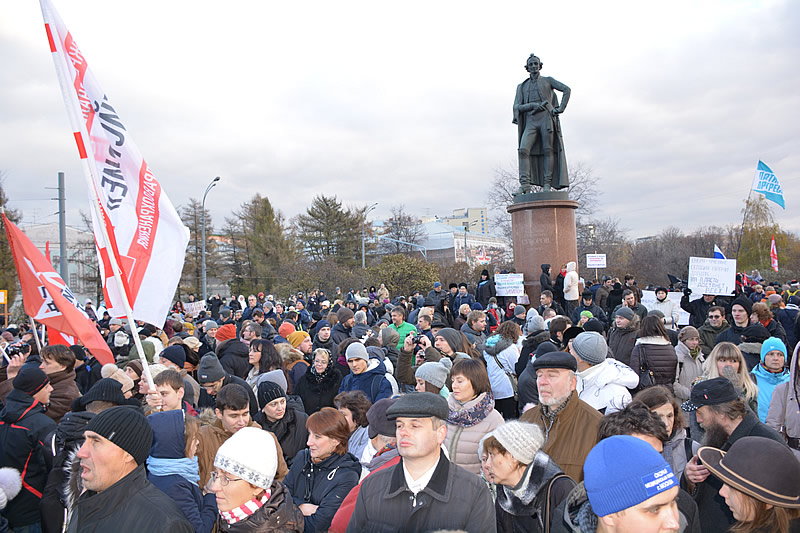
pixel 484 291
pixel 697 309
pixel 661 359
pixel 290 430
pixel 317 395
pixel 233 356
pixel 545 283
pixel 324 484
pixel 453 499
pixel 340 333
pixel 131 505
pixel 23 431
pixel 621 342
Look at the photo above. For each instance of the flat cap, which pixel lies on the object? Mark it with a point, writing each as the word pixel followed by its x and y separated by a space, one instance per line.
pixel 555 360
pixel 419 405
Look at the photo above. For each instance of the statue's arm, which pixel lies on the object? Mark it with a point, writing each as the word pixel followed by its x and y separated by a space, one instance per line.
pixel 558 86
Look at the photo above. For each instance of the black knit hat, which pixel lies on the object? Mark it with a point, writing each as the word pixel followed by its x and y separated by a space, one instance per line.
pixel 745 302
pixel 268 391
pixel 105 390
pixel 30 380
pixel 125 427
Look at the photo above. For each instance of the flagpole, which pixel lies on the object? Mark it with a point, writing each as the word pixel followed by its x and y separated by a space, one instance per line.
pixel 741 230
pixel 77 124
pixel 36 334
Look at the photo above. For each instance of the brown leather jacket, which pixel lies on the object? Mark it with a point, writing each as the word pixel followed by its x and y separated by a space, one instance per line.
pixel 211 438
pixel 572 435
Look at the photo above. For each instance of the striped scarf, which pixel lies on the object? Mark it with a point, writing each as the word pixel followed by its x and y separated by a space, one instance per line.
pixel 245 510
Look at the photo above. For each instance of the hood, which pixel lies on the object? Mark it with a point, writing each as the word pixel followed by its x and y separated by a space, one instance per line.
pixel 578 514
pixel 765 375
pixel 533 321
pixel 655 340
pixel 545 267
pixel 234 347
pixel 610 372
pixel 496 344
pixel 72 426
pixel 750 347
pixel 375 366
pixel 376 352
pixel 19 404
pixel 169 437
pixel 724 326
pixel 571 266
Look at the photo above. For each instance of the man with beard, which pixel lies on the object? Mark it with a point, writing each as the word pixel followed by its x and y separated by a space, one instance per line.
pixel 569 424
pixel 725 418
pixel 322 336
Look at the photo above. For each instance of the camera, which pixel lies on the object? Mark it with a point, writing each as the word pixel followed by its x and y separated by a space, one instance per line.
pixel 18 348
pixel 416 339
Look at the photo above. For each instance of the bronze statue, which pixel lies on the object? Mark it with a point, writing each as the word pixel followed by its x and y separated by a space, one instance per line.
pixel 542 161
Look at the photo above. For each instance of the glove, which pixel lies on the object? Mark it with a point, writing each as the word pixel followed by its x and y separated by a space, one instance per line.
pixel 687 292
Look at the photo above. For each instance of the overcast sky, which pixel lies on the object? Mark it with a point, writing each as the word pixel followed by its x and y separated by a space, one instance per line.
pixel 672 103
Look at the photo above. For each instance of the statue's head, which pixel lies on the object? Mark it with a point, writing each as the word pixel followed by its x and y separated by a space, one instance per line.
pixel 533 60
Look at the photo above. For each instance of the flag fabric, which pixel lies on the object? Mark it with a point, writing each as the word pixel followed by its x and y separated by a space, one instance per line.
pixel 773 255
pixel 766 182
pixel 48 300
pixel 145 233
pixel 718 253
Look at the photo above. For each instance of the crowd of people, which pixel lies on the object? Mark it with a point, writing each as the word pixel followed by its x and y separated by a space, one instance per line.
pixel 450 410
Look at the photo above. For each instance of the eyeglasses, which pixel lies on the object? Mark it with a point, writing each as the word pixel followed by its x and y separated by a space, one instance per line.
pixel 223 479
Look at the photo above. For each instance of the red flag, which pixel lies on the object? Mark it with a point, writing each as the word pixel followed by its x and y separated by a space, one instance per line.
pixel 48 299
pixel 773 255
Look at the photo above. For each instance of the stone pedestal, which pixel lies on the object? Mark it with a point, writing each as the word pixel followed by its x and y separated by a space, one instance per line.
pixel 543 231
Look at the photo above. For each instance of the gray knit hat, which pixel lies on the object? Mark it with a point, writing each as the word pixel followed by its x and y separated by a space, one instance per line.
pixel 435 373
pixel 625 312
pixel 209 369
pixel 533 321
pixel 521 439
pixel 356 351
pixel 591 347
pixel 452 337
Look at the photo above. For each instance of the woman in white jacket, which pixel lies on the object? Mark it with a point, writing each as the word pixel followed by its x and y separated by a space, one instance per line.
pixel 670 308
pixel 501 355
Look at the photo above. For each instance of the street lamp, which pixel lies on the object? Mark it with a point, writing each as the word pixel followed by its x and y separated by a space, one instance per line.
pixel 467 225
pixel 203 226
pixel 363 245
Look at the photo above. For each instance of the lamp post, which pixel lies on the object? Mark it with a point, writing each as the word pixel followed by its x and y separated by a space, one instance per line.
pixel 467 225
pixel 363 245
pixel 203 226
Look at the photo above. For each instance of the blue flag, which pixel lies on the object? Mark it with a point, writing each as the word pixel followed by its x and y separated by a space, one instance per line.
pixel 766 182
pixel 718 253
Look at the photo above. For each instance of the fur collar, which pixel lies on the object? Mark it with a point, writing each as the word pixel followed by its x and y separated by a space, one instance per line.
pixel 653 340
pixel 526 501
pixel 73 487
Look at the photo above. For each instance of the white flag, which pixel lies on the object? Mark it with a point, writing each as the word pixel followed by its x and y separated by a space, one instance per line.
pixel 146 234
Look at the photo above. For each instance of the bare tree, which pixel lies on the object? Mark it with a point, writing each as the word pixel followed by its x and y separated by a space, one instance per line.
pixel 401 226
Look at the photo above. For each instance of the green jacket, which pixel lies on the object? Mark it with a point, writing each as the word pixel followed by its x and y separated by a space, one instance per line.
pixel 403 330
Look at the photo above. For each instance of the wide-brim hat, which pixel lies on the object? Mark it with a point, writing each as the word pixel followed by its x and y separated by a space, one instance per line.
pixel 773 481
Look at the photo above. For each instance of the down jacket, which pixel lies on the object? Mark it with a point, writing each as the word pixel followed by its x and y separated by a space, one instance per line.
pixel 233 356
pixel 784 410
pixel 278 514
pixel 463 437
pixel 689 369
pixel 571 282
pixel 324 484
pixel 502 350
pixel 622 340
pixel 605 386
pixel 660 357
pixel 371 382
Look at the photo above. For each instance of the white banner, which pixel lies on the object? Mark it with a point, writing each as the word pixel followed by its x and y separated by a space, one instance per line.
pixel 595 260
pixel 712 276
pixel 509 284
pixel 141 222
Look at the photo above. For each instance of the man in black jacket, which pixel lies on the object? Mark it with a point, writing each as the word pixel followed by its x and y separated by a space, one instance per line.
pixel 425 491
pixel 697 309
pixel 485 289
pixel 725 418
pixel 23 429
pixel 587 304
pixel 212 377
pixel 117 495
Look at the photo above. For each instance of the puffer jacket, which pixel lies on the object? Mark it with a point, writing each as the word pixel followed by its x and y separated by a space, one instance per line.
pixel 233 356
pixel 290 430
pixel 279 514
pixel 23 430
pixel 498 349
pixel 324 484
pixel 660 357
pixel 371 382
pixel 767 382
pixel 571 282
pixel 169 444
pixel 462 441
pixel 622 340
pixel 605 386
pixel 784 410
pixel 689 369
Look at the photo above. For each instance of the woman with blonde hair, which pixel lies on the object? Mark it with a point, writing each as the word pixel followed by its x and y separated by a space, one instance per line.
pixel 727 354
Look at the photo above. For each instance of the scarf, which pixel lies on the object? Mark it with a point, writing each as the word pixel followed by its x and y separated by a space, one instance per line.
pixel 245 510
pixel 551 414
pixel 185 467
pixel 389 447
pixel 472 415
pixel 319 377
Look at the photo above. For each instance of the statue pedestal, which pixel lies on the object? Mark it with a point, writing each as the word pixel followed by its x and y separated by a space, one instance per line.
pixel 543 231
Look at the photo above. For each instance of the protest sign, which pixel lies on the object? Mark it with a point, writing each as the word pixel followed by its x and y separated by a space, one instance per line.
pixel 509 284
pixel 193 308
pixel 712 276
pixel 595 260
pixel 649 300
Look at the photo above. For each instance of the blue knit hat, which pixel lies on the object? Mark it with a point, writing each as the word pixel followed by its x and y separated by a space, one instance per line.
pixel 623 471
pixel 773 343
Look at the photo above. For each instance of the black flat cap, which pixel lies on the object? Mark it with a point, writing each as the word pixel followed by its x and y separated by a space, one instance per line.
pixel 419 405
pixel 556 360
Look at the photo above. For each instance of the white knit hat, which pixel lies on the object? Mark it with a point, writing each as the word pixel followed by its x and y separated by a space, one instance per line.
pixel 236 456
pixel 521 439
